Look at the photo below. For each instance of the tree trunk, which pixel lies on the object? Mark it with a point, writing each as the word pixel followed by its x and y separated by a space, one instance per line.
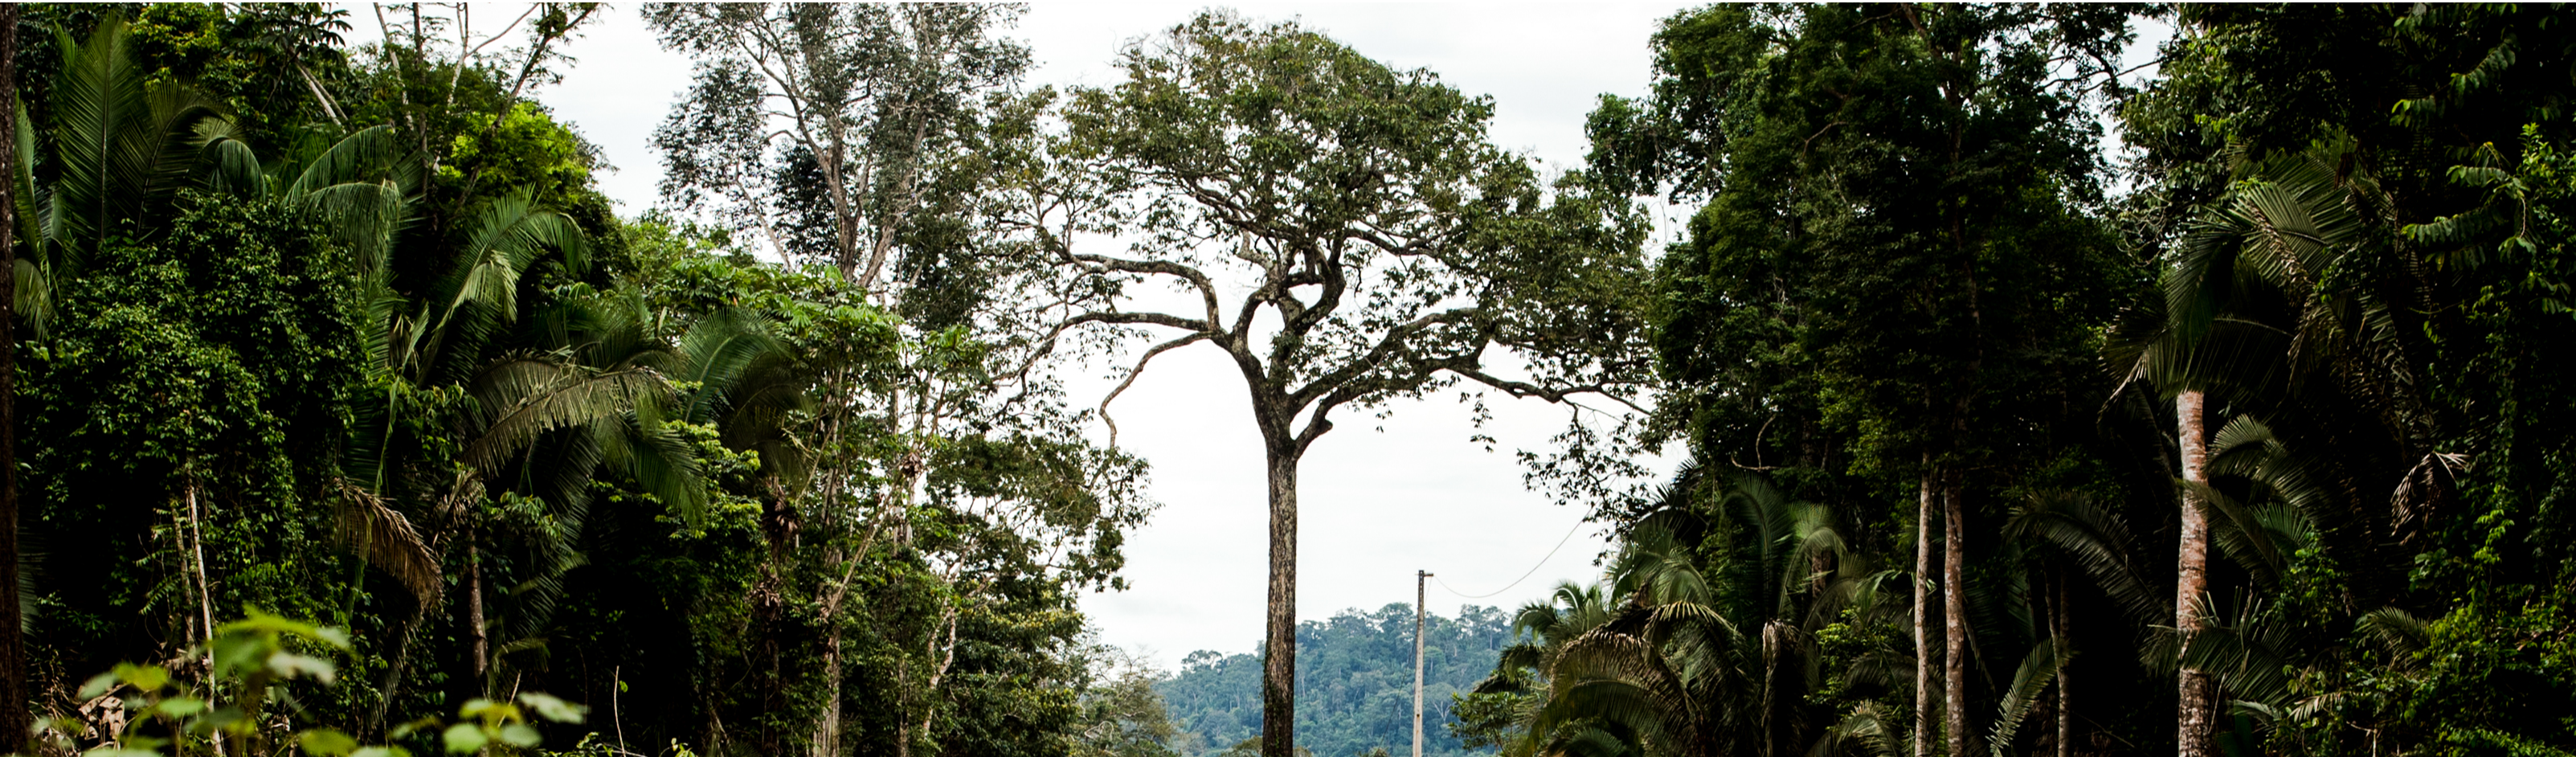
pixel 14 718
pixel 1923 671
pixel 2193 716
pixel 1954 617
pixel 1279 652
pixel 474 608
pixel 827 728
pixel 2058 628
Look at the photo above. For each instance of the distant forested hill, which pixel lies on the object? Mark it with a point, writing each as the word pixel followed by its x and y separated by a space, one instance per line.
pixel 1354 683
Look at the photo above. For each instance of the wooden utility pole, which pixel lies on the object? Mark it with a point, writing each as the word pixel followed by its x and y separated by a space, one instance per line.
pixel 1419 577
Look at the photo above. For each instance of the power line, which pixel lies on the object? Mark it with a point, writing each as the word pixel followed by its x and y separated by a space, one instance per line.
pixel 1542 562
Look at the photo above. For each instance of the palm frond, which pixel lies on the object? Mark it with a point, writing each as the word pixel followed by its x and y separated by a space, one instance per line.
pixel 388 541
pixel 518 399
pixel 2097 540
pixel 2398 631
pixel 231 166
pixel 2239 534
pixel 1868 727
pixel 2037 670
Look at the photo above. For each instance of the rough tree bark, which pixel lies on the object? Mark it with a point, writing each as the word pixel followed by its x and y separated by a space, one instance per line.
pixel 1954 616
pixel 2058 629
pixel 1279 647
pixel 1923 671
pixel 474 608
pixel 2191 570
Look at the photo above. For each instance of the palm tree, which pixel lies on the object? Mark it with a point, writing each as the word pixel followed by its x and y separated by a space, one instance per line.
pixel 1541 631
pixel 1680 661
pixel 2074 532
pixel 2268 313
pixel 121 146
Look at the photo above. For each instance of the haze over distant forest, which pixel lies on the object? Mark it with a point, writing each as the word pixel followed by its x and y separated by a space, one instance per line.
pixel 2064 379
pixel 1354 683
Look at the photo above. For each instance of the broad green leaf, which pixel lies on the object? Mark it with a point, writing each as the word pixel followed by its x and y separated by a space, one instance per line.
pixel 462 738
pixel 474 708
pixel 144 677
pixel 288 665
pixel 325 742
pixel 332 636
pixel 97 685
pixel 553 708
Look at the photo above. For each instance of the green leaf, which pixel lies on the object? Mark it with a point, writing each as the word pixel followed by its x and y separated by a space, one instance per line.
pixel 519 734
pixel 180 707
pixel 381 751
pixel 97 685
pixel 475 708
pixel 332 636
pixel 552 708
pixel 326 742
pixel 289 665
pixel 145 677
pixel 463 738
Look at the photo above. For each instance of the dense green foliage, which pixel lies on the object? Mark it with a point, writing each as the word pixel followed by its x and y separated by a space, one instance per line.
pixel 362 345
pixel 1354 683
pixel 350 414
pixel 1904 326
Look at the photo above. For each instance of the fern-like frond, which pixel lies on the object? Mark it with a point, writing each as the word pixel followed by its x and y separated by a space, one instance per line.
pixel 388 541
pixel 2037 670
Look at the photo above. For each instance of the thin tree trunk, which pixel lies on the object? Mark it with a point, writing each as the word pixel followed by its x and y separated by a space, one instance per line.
pixel 930 693
pixel 474 607
pixel 197 564
pixel 196 535
pixel 2193 717
pixel 1954 627
pixel 1279 653
pixel 2058 627
pixel 827 729
pixel 1923 670
pixel 328 108
pixel 14 718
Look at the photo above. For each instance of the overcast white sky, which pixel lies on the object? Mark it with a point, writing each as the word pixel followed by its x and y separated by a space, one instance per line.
pixel 1376 505
pixel 1379 499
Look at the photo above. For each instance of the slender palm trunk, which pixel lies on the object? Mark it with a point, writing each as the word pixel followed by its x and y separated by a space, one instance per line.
pixel 1923 656
pixel 14 718
pixel 1279 652
pixel 1954 619
pixel 2193 717
pixel 2058 628
pixel 474 607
